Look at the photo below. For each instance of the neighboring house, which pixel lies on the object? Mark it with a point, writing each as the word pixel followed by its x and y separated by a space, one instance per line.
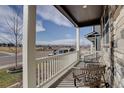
pixel 94 37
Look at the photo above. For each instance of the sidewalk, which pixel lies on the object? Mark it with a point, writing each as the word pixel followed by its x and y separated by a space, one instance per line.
pixel 9 65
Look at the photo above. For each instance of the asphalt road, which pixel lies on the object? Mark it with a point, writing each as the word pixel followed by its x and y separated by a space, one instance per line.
pixel 3 54
pixel 10 59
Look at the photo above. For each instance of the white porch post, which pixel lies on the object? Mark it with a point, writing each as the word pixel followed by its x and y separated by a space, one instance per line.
pixel 78 42
pixel 91 48
pixel 29 30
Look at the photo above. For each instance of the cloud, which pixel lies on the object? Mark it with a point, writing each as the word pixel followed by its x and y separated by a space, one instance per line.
pixel 64 42
pixel 68 35
pixel 43 43
pixel 39 26
pixel 6 11
pixel 4 38
pixel 47 13
pixel 6 15
pixel 83 41
pixel 57 42
pixel 50 13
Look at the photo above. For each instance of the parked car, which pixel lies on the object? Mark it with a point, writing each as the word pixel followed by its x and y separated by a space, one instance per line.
pixel 61 51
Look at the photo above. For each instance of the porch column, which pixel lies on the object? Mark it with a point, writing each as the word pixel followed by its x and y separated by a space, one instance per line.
pixel 78 42
pixel 91 48
pixel 29 30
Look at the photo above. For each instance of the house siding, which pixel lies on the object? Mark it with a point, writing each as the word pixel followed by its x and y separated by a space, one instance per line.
pixel 117 37
pixel 119 49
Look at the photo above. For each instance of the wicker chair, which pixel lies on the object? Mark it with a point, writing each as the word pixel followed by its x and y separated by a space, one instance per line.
pixel 91 75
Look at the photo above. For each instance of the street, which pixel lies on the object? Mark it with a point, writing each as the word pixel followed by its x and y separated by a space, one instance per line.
pixel 10 59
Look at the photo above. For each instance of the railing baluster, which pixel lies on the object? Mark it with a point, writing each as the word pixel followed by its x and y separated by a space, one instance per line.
pixel 60 61
pixel 50 68
pixel 38 67
pixel 43 72
pixel 57 65
pixel 53 65
pixel 46 69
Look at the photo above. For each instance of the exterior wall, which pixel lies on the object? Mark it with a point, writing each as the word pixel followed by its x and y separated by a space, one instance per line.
pixel 113 53
pixel 119 49
pixel 105 48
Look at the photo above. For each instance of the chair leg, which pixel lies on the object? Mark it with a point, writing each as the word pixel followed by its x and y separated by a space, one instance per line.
pixel 75 83
pixel 107 85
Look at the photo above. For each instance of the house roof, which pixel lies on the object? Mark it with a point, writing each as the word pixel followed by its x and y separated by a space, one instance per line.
pixel 81 15
pixel 91 36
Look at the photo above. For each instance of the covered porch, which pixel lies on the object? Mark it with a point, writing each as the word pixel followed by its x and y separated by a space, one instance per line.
pixel 46 72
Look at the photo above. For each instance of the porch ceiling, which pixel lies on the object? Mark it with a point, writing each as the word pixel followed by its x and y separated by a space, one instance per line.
pixel 81 15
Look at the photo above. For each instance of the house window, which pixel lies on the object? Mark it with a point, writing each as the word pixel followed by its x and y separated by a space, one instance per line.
pixel 106 30
pixel 107 33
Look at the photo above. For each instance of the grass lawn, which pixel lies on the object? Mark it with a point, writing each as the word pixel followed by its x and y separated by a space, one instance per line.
pixel 10 50
pixel 7 79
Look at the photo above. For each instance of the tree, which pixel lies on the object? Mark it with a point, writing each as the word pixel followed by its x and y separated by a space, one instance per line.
pixel 14 30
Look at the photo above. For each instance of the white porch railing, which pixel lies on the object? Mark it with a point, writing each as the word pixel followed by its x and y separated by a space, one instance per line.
pixel 92 56
pixel 51 68
pixel 90 53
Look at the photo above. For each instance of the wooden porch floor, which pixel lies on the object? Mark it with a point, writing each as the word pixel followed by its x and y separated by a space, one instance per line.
pixel 67 80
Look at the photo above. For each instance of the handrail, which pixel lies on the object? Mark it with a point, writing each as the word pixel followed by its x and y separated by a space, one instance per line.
pixel 50 57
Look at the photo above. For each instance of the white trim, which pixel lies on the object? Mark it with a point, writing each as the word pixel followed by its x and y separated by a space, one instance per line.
pixel 29 31
pixel 77 39
pixel 78 43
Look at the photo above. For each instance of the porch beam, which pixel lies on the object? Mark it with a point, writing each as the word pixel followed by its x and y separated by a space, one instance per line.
pixel 29 31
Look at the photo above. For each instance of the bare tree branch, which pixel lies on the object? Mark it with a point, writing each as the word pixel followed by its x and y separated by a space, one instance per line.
pixel 14 30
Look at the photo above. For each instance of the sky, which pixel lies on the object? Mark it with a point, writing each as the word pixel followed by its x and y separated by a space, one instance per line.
pixel 51 26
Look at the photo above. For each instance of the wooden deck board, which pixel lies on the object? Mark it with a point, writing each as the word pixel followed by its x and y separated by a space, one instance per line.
pixel 67 80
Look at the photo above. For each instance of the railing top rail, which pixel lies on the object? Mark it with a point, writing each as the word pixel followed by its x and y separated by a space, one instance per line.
pixel 50 57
